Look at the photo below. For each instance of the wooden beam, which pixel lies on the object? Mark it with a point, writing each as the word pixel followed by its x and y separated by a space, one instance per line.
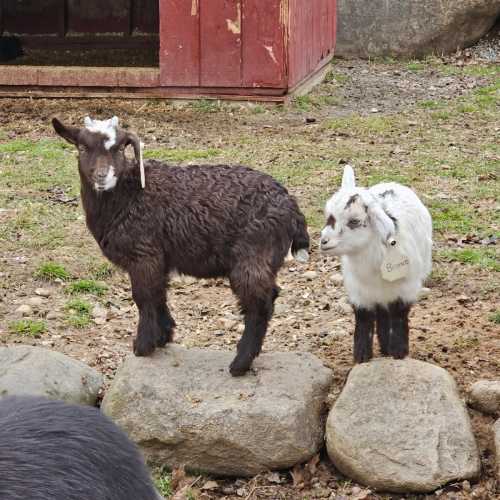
pixel 131 18
pixel 1 18
pixel 62 21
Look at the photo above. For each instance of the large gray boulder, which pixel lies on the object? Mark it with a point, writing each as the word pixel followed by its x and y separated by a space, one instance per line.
pixel 485 396
pixel 496 434
pixel 411 28
pixel 400 426
pixel 183 408
pixel 26 370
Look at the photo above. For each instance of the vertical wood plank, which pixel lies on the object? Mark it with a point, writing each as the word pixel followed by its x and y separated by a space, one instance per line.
pixel 220 41
pixel 263 50
pixel 62 21
pixel 179 43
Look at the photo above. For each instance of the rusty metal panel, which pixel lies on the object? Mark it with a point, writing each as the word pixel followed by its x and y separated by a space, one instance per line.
pixel 179 43
pixel 263 37
pixel 98 16
pixel 220 42
pixel 34 17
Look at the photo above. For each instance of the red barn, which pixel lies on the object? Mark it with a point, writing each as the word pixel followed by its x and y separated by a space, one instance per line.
pixel 260 49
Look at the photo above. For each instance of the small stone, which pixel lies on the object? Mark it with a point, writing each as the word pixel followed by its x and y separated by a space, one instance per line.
pixel 210 485
pixel 462 299
pixel 24 310
pixel 35 302
pixel 337 279
pixel 100 321
pixel 466 486
pixel 99 312
pixel 310 275
pixel 424 292
pixel 52 315
pixel 485 396
pixel 373 110
pixel 43 292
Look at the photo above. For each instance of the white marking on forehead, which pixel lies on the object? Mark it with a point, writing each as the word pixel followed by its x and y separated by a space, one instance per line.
pixel 105 127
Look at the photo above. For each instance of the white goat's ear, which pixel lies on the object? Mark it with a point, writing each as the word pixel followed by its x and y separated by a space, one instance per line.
pixel 382 223
pixel 114 121
pixel 87 121
pixel 348 180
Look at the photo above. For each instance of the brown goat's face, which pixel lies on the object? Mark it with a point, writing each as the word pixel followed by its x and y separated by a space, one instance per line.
pixel 101 150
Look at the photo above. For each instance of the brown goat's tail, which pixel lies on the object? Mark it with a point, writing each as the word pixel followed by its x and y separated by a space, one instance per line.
pixel 300 242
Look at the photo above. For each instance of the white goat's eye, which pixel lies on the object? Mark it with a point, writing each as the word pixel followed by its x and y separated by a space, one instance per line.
pixel 353 223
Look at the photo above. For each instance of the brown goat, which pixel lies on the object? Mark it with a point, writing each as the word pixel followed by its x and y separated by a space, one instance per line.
pixel 206 221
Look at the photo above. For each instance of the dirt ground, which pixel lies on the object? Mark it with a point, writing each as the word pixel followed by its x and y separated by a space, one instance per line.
pixel 432 124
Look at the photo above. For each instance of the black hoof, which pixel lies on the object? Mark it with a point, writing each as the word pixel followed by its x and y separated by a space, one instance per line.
pixel 239 367
pixel 143 348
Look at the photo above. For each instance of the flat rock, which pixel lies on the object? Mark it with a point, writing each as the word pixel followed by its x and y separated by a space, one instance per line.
pixel 485 396
pixel 496 434
pixel 24 310
pixel 400 426
pixel 182 407
pixel 40 372
pixel 411 28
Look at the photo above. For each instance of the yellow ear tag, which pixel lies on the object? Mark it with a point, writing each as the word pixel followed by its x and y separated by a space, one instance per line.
pixel 396 264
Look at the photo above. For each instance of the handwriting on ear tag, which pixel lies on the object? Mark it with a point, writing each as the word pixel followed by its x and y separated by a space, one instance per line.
pixel 395 265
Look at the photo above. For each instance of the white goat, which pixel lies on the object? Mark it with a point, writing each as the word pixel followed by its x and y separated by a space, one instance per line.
pixel 384 237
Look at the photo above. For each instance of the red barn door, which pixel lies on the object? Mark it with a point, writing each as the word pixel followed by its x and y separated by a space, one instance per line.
pixel 222 43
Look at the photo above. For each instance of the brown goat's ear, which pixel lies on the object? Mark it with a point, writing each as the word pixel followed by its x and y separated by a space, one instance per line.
pixel 68 133
pixel 132 139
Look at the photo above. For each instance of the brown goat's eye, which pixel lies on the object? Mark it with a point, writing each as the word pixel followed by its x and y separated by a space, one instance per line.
pixel 121 148
pixel 331 221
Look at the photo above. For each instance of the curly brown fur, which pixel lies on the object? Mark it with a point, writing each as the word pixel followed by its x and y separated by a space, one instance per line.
pixel 206 221
pixel 50 450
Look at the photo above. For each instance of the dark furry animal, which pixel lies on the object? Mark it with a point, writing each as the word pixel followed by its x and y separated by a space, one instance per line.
pixel 10 48
pixel 204 221
pixel 50 450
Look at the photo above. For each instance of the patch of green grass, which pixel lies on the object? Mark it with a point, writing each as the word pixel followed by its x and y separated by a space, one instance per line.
pixel 485 258
pixel 416 66
pixel 331 77
pixel 79 313
pixel 164 484
pixel 365 125
pixel 495 317
pixel 257 109
pixel 28 327
pixel 442 115
pixel 206 105
pixel 86 286
pixel 51 163
pixel 310 101
pixel 52 270
pixel 454 217
pixel 465 343
pixel 178 155
pixel 102 271
pixel 430 104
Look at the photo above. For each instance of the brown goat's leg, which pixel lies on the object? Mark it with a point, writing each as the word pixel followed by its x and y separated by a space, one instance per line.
pixel 148 292
pixel 167 325
pixel 399 345
pixel 256 293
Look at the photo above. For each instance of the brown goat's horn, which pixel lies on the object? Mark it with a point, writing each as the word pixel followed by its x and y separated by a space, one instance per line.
pixel 137 145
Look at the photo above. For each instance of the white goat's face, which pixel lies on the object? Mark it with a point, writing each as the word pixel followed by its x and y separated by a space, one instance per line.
pixel 101 151
pixel 347 229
